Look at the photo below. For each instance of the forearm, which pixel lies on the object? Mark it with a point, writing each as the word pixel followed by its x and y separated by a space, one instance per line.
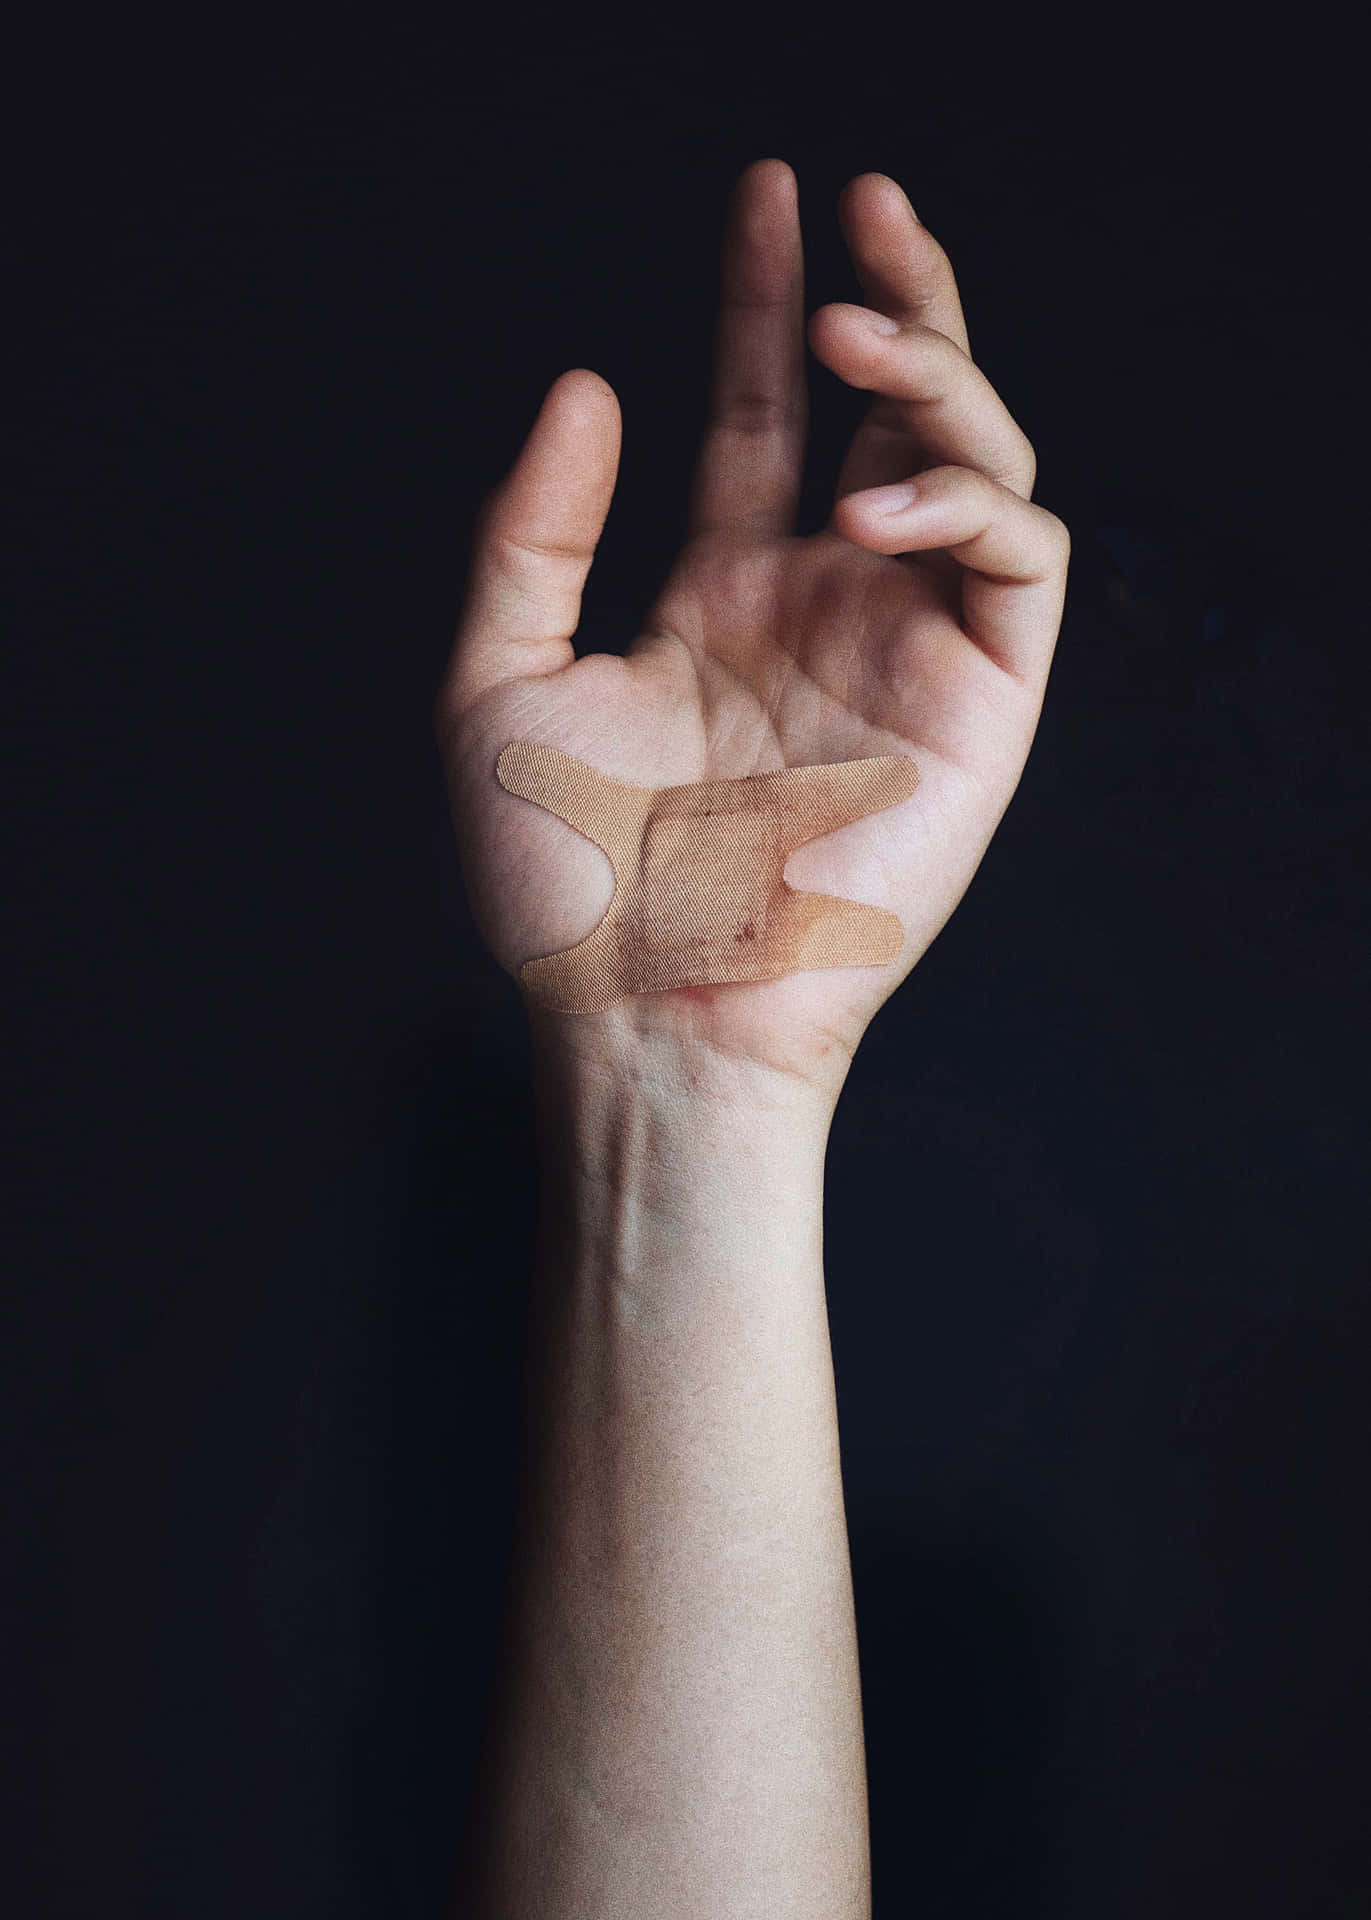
pixel 677 1729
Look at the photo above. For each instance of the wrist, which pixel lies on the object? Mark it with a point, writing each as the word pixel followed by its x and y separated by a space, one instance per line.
pixel 660 1157
pixel 666 1051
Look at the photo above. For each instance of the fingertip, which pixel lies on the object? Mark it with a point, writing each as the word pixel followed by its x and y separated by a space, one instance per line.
pixel 854 526
pixel 769 181
pixel 775 172
pixel 818 321
pixel 886 187
pixel 593 407
pixel 584 382
pixel 831 336
pixel 859 519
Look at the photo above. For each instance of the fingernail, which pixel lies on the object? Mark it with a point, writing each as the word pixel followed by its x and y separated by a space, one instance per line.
pixel 893 499
pixel 880 322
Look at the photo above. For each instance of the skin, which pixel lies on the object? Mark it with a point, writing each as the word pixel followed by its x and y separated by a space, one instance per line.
pixel 675 1724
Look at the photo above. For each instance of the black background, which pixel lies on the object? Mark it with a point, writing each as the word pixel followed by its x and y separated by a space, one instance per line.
pixel 285 304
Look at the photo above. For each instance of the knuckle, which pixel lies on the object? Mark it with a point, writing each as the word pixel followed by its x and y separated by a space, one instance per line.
pixel 985 488
pixel 519 552
pixel 1019 472
pixel 936 349
pixel 969 487
pixel 758 413
pixel 1057 531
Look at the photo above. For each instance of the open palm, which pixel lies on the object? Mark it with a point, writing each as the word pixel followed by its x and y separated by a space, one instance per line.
pixel 927 632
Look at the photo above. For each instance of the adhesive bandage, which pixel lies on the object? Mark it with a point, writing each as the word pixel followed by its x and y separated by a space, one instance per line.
pixel 700 897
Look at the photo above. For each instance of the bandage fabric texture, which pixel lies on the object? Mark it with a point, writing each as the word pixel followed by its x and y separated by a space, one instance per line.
pixel 700 897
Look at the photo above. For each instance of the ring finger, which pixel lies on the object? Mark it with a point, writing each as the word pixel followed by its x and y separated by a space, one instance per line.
pixel 935 406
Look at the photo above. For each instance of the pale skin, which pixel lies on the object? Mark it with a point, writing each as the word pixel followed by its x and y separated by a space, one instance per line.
pixel 677 1726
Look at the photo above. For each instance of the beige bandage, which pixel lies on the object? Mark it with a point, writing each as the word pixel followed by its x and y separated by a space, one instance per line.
pixel 700 898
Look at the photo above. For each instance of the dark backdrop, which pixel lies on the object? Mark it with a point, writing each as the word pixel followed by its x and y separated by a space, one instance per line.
pixel 283 308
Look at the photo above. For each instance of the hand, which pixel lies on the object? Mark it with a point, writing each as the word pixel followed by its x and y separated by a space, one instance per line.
pixel 927 632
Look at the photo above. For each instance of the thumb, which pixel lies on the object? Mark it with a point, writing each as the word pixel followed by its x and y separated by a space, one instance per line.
pixel 534 540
